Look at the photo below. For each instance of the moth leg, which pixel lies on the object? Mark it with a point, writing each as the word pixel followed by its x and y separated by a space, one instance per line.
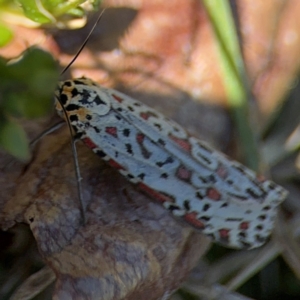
pixel 76 164
pixel 46 132
pixel 78 177
pixel 35 141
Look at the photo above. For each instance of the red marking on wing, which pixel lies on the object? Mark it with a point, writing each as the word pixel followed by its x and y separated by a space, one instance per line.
pixel 144 116
pixel 89 143
pixel 147 115
pixel 156 195
pixel 112 131
pixel 182 143
pixel 224 234
pixel 222 171
pixel 261 178
pixel 115 165
pixel 244 225
pixel 213 194
pixel 191 218
pixel 140 138
pixel 119 99
pixel 183 173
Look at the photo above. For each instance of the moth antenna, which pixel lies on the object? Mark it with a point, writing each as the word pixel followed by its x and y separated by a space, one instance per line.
pixel 73 141
pixel 84 43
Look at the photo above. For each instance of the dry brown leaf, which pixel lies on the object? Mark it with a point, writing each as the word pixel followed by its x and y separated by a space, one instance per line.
pixel 34 284
pixel 129 246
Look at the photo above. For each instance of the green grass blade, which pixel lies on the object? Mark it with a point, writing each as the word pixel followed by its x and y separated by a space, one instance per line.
pixel 234 75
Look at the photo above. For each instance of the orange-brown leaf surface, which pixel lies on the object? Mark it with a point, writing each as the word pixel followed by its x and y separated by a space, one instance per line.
pixel 163 53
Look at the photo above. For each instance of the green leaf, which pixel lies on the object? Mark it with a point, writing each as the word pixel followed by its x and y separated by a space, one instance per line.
pixel 234 75
pixel 35 11
pixel 59 13
pixel 48 11
pixel 28 84
pixel 5 35
pixel 13 139
pixel 27 87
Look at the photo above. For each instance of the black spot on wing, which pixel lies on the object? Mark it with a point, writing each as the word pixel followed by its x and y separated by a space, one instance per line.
pixel 199 196
pixel 101 153
pixel 98 101
pixel 186 205
pixel 245 245
pixel 253 194
pixel 96 129
pixel 272 185
pixel 262 217
pixel 129 148
pixel 126 132
pixel 212 179
pixel 242 234
pixel 79 82
pixel 162 142
pixel 74 92
pixel 259 227
pixel 173 207
pixel 72 107
pixel 158 126
pixel 141 176
pixel 63 99
pixel 68 83
pixel 85 97
pixel 204 147
pixel 205 159
pixel 167 161
pixel 206 207
pixel 73 118
pixel 260 239
pixel 205 218
pixel 242 198
pixel 267 207
pixel 239 168
pixel 78 135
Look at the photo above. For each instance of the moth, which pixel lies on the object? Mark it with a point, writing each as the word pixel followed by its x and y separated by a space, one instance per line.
pixel 216 195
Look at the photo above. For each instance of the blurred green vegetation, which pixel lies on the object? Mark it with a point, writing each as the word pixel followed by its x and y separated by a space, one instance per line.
pixel 5 35
pixel 28 83
pixel 234 77
pixel 54 12
pixel 26 88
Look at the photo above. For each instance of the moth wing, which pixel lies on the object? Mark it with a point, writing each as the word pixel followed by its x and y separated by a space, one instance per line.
pixel 233 178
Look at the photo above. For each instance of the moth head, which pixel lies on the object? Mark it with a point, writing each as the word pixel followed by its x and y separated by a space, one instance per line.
pixel 81 97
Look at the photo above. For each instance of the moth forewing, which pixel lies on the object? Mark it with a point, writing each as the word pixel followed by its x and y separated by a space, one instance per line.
pixel 221 197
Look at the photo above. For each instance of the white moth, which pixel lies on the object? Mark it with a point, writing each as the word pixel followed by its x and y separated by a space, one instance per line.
pixel 220 197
